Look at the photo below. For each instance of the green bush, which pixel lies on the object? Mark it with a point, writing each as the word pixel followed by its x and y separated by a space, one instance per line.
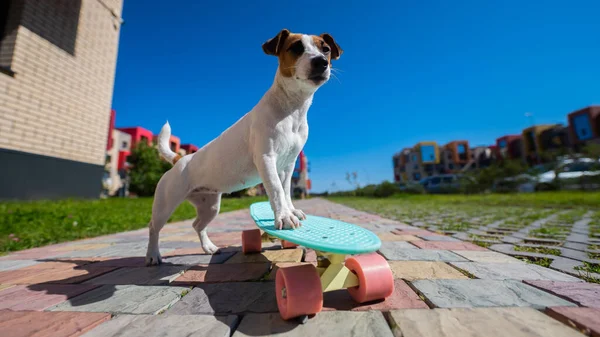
pixel 385 189
pixel 147 168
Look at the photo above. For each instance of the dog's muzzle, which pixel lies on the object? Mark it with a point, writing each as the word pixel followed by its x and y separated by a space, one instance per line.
pixel 319 65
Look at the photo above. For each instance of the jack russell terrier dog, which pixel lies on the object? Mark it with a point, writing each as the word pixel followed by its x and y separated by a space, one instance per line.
pixel 262 146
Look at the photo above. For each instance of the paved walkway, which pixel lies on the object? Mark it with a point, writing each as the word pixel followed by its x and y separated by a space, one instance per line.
pixel 444 287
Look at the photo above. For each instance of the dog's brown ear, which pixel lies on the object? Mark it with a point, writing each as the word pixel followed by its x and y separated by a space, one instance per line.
pixel 336 51
pixel 274 45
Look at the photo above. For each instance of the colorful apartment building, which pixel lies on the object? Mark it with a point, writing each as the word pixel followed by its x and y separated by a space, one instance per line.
pixel 454 156
pixel 138 134
pixel 188 149
pixel 414 164
pixel 57 71
pixel 555 138
pixel 301 183
pixel 401 161
pixel 584 126
pixel 533 145
pixel 509 147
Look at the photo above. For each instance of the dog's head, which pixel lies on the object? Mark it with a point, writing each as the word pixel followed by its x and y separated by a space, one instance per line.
pixel 304 58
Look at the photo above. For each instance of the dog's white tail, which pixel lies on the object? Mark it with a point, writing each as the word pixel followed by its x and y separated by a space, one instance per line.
pixel 164 142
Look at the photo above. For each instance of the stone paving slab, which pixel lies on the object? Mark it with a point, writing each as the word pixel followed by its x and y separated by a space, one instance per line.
pixel 196 259
pixel 154 275
pixel 402 298
pixel 485 293
pixel 398 254
pixel 582 293
pixel 16 264
pixel 584 319
pixel 72 246
pixel 64 276
pixel 335 324
pixel 418 270
pixel 416 232
pixel 166 325
pixel 479 322
pixel 55 324
pixel 438 238
pixel 228 298
pixel 486 256
pixel 394 245
pixel 63 264
pixel 39 297
pixel 448 245
pixel 281 255
pixel 6 286
pixel 126 299
pixel 396 237
pixel 223 273
pixel 513 271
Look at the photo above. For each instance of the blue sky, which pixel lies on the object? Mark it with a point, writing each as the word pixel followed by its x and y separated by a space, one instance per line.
pixel 411 71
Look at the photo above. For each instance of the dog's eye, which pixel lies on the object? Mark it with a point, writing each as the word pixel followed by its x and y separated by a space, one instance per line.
pixel 326 49
pixel 297 48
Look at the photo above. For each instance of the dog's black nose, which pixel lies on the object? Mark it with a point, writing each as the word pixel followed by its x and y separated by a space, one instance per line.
pixel 319 64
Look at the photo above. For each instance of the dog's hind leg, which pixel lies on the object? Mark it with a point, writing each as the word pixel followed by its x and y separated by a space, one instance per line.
pixel 207 208
pixel 169 194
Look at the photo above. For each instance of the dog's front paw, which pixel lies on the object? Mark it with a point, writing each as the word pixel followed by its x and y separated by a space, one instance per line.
pixel 286 220
pixel 153 259
pixel 210 248
pixel 299 214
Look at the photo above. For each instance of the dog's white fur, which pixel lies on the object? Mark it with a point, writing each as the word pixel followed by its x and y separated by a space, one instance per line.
pixel 262 146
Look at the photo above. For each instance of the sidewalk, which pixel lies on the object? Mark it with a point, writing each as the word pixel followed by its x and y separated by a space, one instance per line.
pixel 443 287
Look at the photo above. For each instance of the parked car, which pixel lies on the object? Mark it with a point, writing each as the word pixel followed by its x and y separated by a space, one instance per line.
pixel 580 173
pixel 572 174
pixel 445 183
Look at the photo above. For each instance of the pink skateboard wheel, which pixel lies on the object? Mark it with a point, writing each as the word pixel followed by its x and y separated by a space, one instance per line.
pixel 298 291
pixel 251 241
pixel 375 278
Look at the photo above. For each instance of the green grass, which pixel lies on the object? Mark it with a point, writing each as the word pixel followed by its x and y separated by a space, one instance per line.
pixel 562 199
pixel 586 270
pixel 539 250
pixel 483 244
pixel 595 256
pixel 540 261
pixel 549 232
pixel 33 224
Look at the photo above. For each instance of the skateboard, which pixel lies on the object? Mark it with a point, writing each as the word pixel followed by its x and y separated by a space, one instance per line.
pixel 347 259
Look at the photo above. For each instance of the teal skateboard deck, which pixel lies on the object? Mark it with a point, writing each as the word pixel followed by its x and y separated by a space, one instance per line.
pixel 318 233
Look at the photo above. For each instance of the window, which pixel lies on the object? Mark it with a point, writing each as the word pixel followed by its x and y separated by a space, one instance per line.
pixel 447 180
pixel 6 41
pixel 583 129
pixel 428 153
pixel 435 180
pixel 144 139
pixel 124 145
pixel 417 176
pixel 173 146
pixel 451 166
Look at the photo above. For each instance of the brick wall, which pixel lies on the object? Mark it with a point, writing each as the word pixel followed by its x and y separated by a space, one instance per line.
pixel 63 54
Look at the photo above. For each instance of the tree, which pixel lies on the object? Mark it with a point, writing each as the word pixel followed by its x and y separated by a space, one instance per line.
pixel 147 168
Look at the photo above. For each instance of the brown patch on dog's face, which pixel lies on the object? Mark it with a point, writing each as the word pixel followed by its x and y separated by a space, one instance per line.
pixel 334 49
pixel 289 48
pixel 292 50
